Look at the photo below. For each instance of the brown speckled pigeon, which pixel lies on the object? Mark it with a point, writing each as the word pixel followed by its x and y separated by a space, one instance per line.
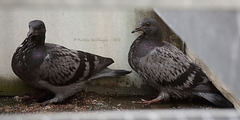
pixel 168 70
pixel 56 68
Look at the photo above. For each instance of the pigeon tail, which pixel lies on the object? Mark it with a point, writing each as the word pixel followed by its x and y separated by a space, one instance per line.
pixel 110 73
pixel 216 99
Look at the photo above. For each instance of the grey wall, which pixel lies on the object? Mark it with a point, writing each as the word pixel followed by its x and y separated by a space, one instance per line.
pixel 106 32
pixel 214 36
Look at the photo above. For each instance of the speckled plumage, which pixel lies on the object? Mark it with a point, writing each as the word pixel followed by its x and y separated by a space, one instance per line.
pixel 168 69
pixel 56 68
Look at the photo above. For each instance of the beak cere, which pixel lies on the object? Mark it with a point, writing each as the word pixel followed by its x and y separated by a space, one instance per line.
pixel 137 29
pixel 30 32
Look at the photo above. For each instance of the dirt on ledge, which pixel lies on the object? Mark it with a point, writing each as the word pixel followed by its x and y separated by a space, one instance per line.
pixel 85 101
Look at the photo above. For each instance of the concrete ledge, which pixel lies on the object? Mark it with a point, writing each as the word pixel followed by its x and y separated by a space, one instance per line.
pixel 132 115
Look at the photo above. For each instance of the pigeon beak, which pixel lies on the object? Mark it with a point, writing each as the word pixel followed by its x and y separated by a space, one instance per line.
pixel 30 32
pixel 138 29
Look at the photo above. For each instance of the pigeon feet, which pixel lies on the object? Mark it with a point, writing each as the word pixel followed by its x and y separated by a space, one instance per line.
pixel 45 103
pixel 23 98
pixel 148 102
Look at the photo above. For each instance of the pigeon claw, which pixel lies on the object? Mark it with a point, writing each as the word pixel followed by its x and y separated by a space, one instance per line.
pixel 142 102
pixel 22 98
pixel 44 103
pixel 159 98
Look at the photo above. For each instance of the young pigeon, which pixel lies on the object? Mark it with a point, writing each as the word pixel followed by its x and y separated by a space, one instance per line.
pixel 167 69
pixel 56 68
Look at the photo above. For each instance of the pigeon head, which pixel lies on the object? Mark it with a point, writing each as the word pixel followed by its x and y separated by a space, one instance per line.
pixel 36 28
pixel 149 26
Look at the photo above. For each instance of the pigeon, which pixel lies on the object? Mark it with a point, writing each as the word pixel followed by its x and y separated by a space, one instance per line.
pixel 56 68
pixel 169 70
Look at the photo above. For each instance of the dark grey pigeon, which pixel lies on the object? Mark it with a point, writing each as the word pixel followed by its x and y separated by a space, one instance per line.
pixel 56 68
pixel 167 69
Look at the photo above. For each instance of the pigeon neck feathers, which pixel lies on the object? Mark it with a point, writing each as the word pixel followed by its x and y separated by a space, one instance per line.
pixel 36 41
pixel 155 36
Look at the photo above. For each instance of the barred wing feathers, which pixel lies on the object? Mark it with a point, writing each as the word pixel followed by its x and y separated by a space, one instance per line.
pixel 63 66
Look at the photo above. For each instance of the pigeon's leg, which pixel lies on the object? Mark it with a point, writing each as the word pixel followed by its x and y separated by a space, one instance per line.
pixel 161 96
pixel 63 92
pixel 56 99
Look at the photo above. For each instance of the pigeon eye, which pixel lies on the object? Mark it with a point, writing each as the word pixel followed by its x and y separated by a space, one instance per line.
pixel 147 24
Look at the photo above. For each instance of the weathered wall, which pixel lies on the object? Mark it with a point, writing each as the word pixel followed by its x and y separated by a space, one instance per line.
pixel 103 32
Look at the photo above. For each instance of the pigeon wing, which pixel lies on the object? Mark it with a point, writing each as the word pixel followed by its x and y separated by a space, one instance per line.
pixel 169 67
pixel 63 66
